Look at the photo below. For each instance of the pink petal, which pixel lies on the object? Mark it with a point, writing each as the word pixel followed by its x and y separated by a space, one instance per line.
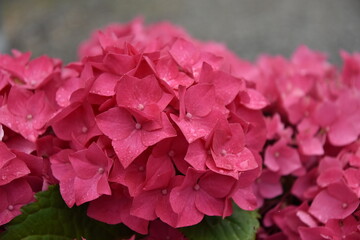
pixel 116 118
pixel 336 202
pixel 105 84
pixel 143 204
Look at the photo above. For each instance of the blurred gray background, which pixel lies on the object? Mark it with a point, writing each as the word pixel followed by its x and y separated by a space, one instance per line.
pixel 249 27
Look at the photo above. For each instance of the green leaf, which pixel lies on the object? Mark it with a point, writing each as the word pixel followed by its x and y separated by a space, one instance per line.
pixel 49 218
pixel 241 225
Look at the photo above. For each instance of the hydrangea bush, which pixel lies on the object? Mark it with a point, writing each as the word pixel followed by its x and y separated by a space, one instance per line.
pixel 152 132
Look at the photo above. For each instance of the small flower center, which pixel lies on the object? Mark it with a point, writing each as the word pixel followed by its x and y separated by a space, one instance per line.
pixel 84 129
pixel 189 115
pixel 29 116
pixel 164 191
pixel 11 207
pixel 101 170
pixel 196 187
pixel 223 152
pixel 171 153
pixel 140 107
pixel 138 126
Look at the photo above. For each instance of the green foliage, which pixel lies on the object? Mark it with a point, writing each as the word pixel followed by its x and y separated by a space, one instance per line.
pixel 241 225
pixel 49 218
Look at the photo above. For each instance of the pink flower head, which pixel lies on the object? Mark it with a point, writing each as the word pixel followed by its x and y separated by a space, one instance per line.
pixel 83 175
pixel 78 125
pixel 169 72
pixel 228 149
pixel 132 137
pixel 282 158
pixel 13 196
pixel 33 74
pixel 26 113
pixel 276 129
pixel 226 85
pixel 144 97
pixel 197 114
pixel 197 195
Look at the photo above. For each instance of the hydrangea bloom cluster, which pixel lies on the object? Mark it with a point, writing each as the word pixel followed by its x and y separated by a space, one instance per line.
pixel 311 177
pixel 150 124
pixel 155 130
pixel 27 104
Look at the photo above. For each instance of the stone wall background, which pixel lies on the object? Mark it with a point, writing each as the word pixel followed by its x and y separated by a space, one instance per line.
pixel 249 27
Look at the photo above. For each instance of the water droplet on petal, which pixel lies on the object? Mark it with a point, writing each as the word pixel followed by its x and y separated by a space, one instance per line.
pixel 188 115
pixel 141 168
pixel 164 191
pixel 138 126
pixel 140 107
pixel 29 116
pixel 196 187
pixel 344 205
pixel 11 207
pixel 84 129
pixel 276 154
pixel 101 170
pixel 223 152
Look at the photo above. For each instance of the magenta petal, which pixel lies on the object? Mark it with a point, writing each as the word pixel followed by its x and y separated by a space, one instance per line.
pixel 13 169
pixel 106 209
pixel 143 205
pixel 335 202
pixel 216 185
pixel 209 205
pixel 105 84
pixel 343 131
pixel 316 233
pixel 164 211
pixel 152 137
pixel 86 189
pixel 5 154
pixel 200 99
pixel 183 203
pixel 116 118
pixel 309 145
pixel 196 155
pixel 17 193
pixel 159 171
pixel 129 148
pixel 242 161
pixel 226 85
pixel 329 176
pixel 253 99
pixel 82 168
pixel 282 158
pixel 269 185
pixel 245 199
